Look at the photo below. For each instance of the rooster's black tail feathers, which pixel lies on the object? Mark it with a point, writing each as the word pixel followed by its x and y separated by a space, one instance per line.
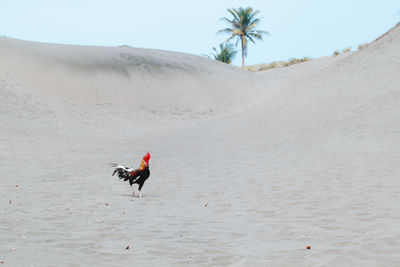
pixel 125 173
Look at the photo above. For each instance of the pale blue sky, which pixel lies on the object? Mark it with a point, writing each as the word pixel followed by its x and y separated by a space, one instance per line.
pixel 298 28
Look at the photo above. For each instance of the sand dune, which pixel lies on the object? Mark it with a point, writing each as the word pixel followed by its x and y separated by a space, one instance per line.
pixel 247 169
pixel 137 79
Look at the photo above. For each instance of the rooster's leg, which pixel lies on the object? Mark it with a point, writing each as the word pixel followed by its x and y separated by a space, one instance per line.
pixel 133 190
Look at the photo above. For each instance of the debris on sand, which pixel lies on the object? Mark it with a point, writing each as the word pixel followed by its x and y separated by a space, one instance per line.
pixel 127 247
pixel 206 205
pixel 16 186
pixel 9 201
pixel 308 247
pixel 106 204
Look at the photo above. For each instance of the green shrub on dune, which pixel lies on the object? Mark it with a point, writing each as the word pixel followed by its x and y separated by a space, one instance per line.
pixel 361 46
pixel 347 50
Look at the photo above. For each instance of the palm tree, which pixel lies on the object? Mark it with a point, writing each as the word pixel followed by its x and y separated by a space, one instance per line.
pixel 225 54
pixel 243 27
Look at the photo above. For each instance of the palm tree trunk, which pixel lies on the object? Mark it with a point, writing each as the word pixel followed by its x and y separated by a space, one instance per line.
pixel 242 52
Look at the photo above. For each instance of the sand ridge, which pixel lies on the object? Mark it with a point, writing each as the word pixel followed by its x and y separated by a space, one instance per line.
pixel 133 78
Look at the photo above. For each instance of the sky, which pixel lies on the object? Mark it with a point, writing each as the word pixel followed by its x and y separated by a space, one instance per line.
pixel 298 28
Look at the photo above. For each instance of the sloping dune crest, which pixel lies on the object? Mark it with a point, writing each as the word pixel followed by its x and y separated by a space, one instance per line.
pixel 354 94
pixel 133 78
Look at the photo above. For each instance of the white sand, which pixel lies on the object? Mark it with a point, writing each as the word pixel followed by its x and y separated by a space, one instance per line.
pixel 247 169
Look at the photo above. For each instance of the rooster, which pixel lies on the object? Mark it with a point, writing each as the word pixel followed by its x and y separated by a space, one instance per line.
pixel 138 176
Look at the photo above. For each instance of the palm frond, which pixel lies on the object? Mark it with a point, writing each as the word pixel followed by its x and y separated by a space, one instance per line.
pixel 256 36
pixel 262 32
pixel 251 39
pixel 237 32
pixel 254 23
pixel 253 14
pixel 229 39
pixel 237 41
pixel 233 13
pixel 226 20
pixel 226 30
